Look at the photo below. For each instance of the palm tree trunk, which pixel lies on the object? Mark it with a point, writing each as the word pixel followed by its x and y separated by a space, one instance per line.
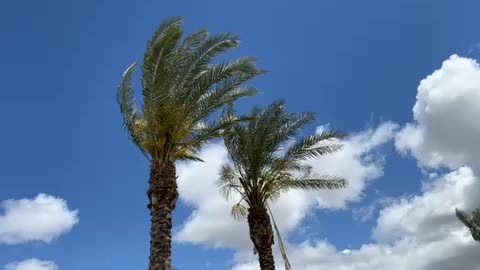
pixel 261 234
pixel 163 196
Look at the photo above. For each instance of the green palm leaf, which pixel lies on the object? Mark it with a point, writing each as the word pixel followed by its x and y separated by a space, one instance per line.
pixel 472 222
pixel 239 211
pixel 315 145
pixel 325 182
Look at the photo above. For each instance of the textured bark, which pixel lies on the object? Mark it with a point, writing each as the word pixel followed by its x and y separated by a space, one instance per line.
pixel 261 234
pixel 163 196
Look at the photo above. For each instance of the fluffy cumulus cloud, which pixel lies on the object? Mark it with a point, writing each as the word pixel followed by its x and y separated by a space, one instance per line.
pixel 31 264
pixel 43 218
pixel 211 224
pixel 445 129
pixel 359 162
pixel 428 217
pixel 416 233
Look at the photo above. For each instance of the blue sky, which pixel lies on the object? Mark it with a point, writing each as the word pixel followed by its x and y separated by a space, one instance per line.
pixel 355 63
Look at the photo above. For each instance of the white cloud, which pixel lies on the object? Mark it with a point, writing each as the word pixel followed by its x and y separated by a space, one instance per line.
pixel 364 213
pixel 43 218
pixel 429 216
pixel 31 264
pixel 445 130
pixel 359 162
pixel 415 233
pixel 211 224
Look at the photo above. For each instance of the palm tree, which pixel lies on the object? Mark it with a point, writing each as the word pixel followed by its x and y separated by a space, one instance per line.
pixel 472 222
pixel 267 163
pixel 182 90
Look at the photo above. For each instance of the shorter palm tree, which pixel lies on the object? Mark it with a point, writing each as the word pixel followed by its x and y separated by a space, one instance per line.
pixel 472 222
pixel 267 163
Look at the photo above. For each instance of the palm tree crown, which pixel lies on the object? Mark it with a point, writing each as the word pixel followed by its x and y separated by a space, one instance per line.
pixel 181 89
pixel 267 163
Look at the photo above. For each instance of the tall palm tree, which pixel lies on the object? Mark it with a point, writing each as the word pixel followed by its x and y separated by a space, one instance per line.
pixel 182 90
pixel 472 222
pixel 266 163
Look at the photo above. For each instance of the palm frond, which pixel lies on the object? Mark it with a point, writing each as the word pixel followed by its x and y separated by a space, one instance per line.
pixel 215 74
pixel 463 216
pixel 128 108
pixel 324 182
pixel 126 98
pixel 237 142
pixel 193 65
pixel 194 40
pixel 472 222
pixel 315 145
pixel 205 132
pixel 238 67
pixel 239 211
pixel 229 182
pixel 155 69
pixel 187 153
pixel 263 137
pixel 295 122
pixel 299 167
pixel 226 92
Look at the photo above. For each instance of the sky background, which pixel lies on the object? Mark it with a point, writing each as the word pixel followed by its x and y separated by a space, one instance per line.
pixel 357 64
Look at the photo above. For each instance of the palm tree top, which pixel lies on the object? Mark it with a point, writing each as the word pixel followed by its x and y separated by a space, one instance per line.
pixel 267 160
pixel 181 89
